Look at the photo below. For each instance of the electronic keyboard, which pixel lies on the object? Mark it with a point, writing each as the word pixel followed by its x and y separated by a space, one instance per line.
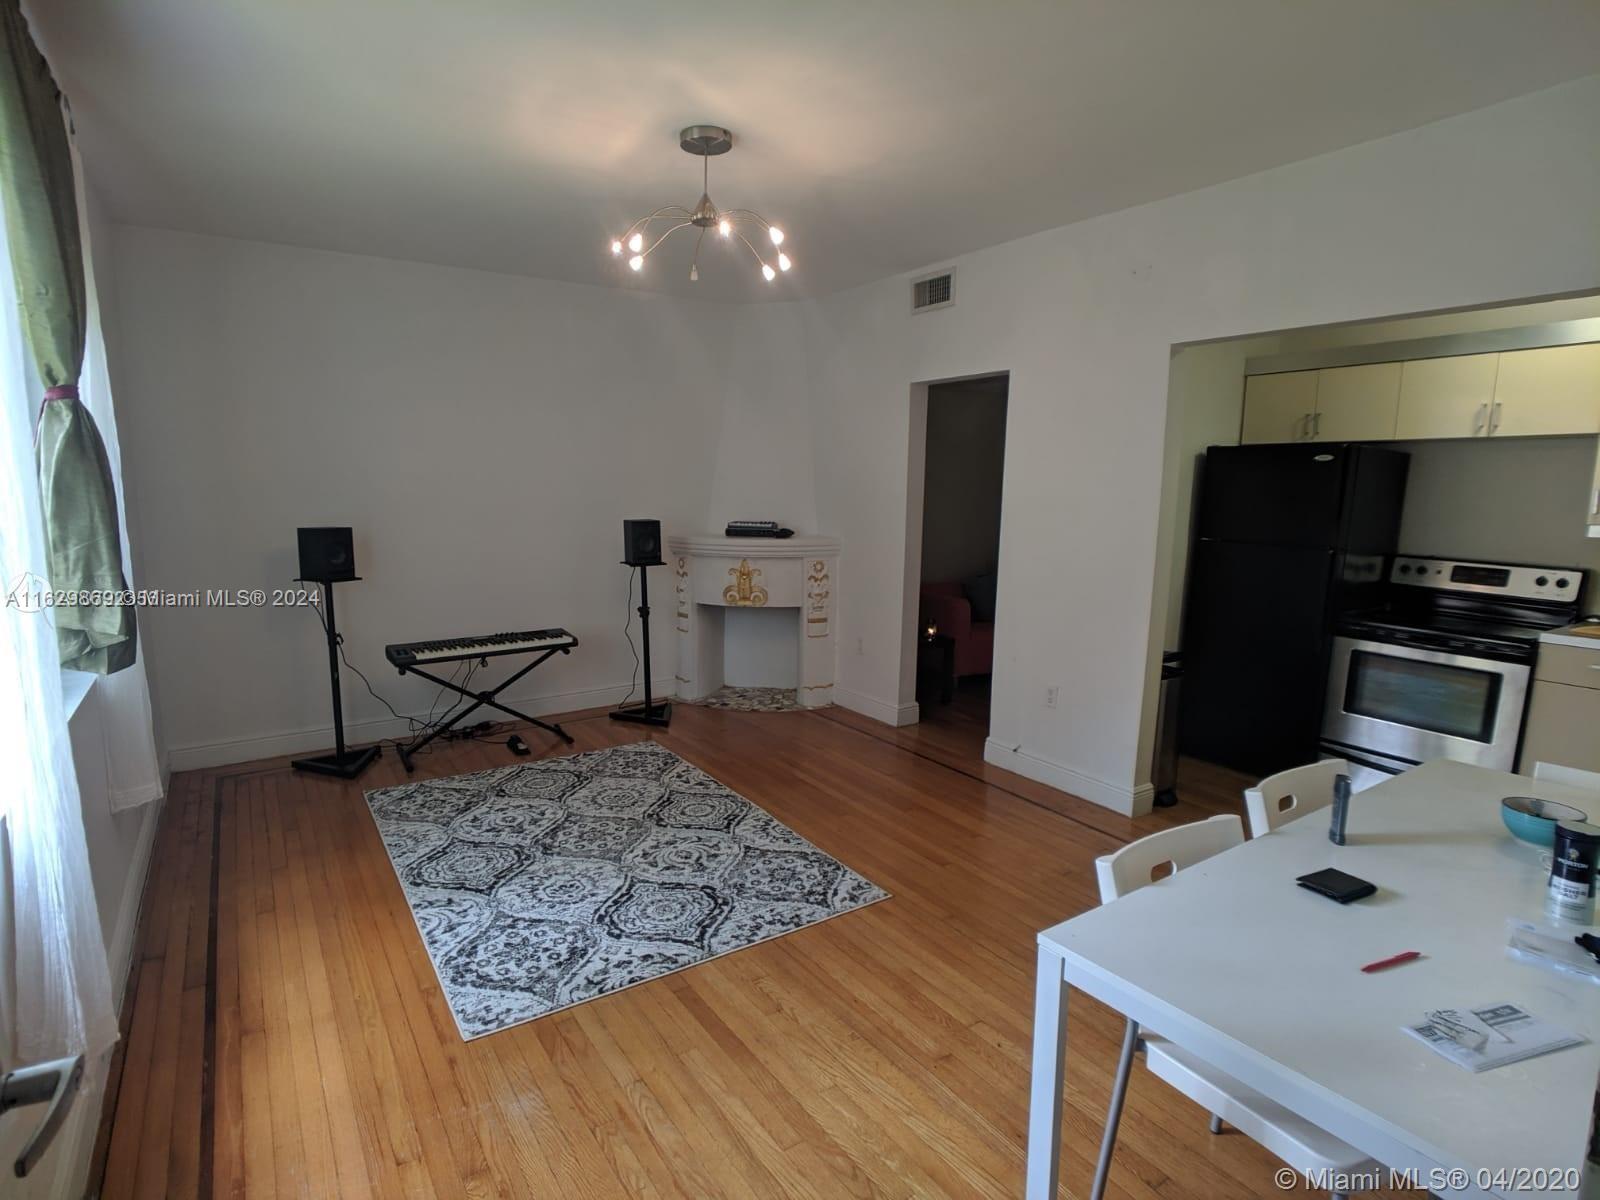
pixel 770 529
pixel 416 657
pixel 410 654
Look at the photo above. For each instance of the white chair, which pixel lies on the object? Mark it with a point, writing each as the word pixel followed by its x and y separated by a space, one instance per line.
pixel 1281 798
pixel 1300 1144
pixel 1572 776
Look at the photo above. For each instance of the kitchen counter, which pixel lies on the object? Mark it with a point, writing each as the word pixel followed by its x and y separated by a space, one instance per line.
pixel 1585 635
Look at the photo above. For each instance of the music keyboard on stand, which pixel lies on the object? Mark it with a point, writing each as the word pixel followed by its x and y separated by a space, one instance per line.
pixel 414 656
pixel 406 654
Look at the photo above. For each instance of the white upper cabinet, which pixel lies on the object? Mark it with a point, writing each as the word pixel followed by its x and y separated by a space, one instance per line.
pixel 1357 404
pixel 1513 393
pixel 1279 408
pixel 1446 397
pixel 1548 391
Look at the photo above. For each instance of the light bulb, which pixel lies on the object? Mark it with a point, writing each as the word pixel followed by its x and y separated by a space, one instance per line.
pixel 616 246
pixel 724 227
pixel 775 234
pixel 637 262
pixel 636 243
pixel 768 272
pixel 783 261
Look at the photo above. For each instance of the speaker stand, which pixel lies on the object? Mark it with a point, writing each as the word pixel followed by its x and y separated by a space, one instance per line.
pixel 648 713
pixel 342 763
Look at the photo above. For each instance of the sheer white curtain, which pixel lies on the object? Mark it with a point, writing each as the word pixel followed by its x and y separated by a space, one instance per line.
pixel 132 768
pixel 57 1000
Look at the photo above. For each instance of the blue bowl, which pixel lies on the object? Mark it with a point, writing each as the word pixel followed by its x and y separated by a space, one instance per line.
pixel 1533 820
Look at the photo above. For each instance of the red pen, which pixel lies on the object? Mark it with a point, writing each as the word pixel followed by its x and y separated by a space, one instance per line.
pixel 1383 964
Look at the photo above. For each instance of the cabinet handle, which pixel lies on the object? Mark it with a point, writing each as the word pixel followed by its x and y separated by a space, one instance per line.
pixel 1316 425
pixel 1494 420
pixel 1479 421
pixel 1302 427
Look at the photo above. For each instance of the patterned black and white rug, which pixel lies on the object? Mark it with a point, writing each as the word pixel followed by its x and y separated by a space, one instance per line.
pixel 538 887
pixel 751 699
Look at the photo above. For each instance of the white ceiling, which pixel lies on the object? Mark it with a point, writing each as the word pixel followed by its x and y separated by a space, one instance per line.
pixel 518 135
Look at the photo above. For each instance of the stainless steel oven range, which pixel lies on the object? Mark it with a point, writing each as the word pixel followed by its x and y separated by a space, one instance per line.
pixel 1442 670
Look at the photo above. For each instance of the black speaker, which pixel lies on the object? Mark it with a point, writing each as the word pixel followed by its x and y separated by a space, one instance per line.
pixel 641 543
pixel 326 554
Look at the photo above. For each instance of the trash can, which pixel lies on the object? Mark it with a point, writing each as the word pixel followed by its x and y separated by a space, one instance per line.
pixel 1164 771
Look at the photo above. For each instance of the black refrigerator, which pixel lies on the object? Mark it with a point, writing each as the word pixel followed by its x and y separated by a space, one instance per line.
pixel 1286 538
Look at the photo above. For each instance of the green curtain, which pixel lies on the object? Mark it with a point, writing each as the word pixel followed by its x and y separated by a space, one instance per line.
pixel 78 494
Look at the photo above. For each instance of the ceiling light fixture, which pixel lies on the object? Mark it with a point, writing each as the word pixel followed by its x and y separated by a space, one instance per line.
pixel 705 141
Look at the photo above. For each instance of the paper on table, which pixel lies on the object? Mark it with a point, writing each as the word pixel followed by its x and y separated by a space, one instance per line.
pixel 1551 947
pixel 1490 1035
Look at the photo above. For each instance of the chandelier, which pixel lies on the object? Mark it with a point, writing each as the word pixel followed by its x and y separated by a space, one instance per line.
pixel 640 240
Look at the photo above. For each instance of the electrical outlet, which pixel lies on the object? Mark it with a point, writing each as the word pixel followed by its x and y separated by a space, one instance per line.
pixel 1051 695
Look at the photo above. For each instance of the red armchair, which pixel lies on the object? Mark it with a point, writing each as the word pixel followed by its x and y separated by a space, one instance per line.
pixel 944 605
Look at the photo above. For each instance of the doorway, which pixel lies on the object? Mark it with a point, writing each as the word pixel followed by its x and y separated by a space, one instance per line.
pixel 963 475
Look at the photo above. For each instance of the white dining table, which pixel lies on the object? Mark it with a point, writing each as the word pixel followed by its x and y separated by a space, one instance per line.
pixel 1233 962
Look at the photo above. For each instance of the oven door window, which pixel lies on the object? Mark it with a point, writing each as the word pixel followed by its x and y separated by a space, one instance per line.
pixel 1452 700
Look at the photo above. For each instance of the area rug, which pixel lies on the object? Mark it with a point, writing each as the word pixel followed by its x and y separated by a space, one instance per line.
pixel 751 699
pixel 536 887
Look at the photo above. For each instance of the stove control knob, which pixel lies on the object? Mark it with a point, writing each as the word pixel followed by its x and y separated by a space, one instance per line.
pixel 1562 582
pixel 1542 581
pixel 1405 568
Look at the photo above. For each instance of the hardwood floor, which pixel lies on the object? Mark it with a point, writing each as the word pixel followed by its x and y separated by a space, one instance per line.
pixel 286 1035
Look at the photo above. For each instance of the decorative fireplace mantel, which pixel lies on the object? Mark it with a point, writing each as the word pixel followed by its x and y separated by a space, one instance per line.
pixel 712 574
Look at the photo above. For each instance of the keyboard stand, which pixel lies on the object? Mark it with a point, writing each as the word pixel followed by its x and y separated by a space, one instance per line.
pixel 479 700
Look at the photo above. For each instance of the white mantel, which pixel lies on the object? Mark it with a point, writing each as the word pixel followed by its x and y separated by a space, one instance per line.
pixel 713 573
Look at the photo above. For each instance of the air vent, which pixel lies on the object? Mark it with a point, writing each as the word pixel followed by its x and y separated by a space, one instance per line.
pixel 933 291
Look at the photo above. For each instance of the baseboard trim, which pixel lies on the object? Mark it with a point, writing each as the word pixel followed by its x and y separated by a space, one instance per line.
pixel 120 952
pixel 878 710
pixel 1130 802
pixel 299 741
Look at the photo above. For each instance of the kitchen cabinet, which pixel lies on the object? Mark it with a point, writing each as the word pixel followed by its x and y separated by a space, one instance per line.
pixel 1336 404
pixel 1549 391
pixel 1446 397
pixel 1279 408
pixel 1552 390
pixel 1564 711
pixel 1357 404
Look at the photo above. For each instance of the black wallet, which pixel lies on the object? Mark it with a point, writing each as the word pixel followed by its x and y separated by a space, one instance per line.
pixel 1336 885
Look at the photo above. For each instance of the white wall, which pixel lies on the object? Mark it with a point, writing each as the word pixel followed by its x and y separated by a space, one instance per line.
pixel 764 466
pixel 1084 318
pixel 1504 500
pixel 484 434
pixel 965 467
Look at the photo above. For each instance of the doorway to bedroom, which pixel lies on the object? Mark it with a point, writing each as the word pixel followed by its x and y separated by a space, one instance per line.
pixel 963 472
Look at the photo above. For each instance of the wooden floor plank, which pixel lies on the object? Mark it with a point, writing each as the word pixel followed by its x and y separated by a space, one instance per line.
pixel 880 1054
